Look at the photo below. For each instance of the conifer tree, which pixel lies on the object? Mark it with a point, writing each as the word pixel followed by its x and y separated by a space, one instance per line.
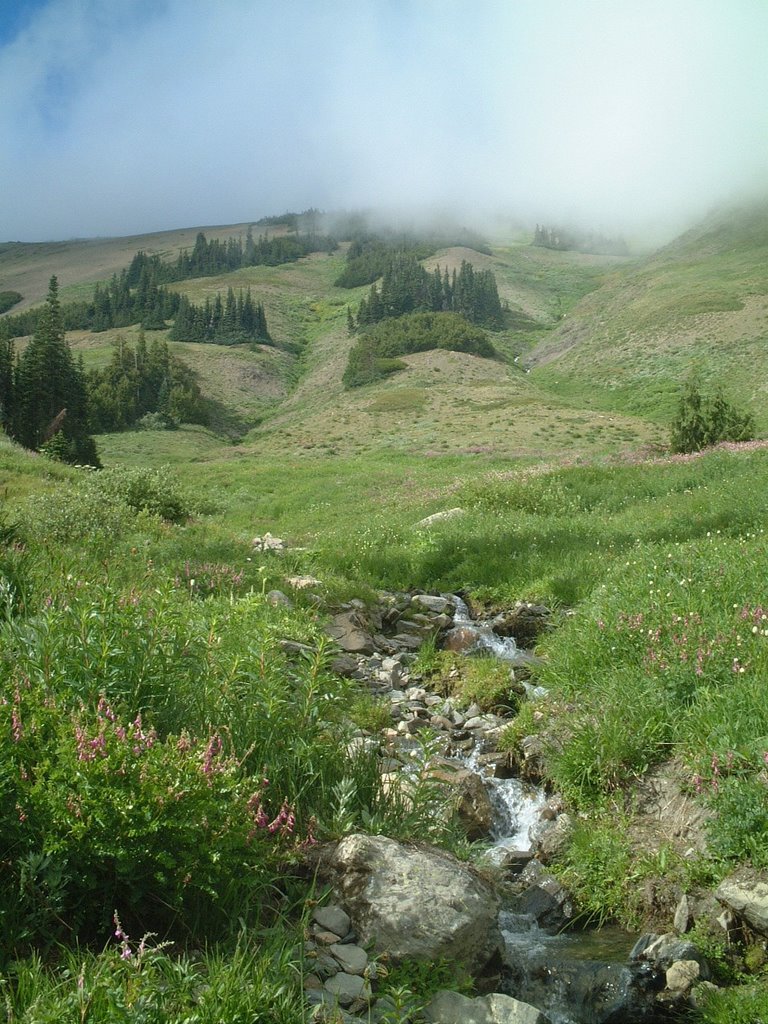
pixel 49 389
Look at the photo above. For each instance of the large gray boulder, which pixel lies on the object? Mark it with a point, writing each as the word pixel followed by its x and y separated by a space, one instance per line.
pixel 349 632
pixel 748 899
pixel 420 904
pixel 454 1008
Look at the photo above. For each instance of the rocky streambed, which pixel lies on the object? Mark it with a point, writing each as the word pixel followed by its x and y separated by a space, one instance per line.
pixel 505 917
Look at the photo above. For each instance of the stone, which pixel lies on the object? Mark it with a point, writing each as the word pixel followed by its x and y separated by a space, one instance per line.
pixel 544 898
pixel 268 543
pixel 302 582
pixel 439 517
pixel 346 989
pixel 353 959
pixel 682 975
pixel 664 950
pixel 437 605
pixel 469 798
pixel 407 642
pixel 344 665
pixel 525 622
pixel 748 899
pixel 332 919
pixel 325 966
pixel 453 1008
pixel 346 629
pixel 682 920
pixel 555 839
pixel 420 904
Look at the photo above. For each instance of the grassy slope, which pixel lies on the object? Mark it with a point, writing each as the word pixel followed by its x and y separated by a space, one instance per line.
pixel 26 267
pixel 701 302
pixel 657 540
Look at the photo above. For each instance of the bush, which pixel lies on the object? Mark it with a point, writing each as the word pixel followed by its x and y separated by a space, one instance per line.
pixel 9 299
pixel 703 421
pixel 106 504
pixel 376 352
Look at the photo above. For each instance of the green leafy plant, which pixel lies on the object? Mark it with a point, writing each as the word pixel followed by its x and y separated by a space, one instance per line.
pixel 701 421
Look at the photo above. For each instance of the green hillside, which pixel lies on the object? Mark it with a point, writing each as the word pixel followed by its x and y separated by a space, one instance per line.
pixel 139 631
pixel 700 303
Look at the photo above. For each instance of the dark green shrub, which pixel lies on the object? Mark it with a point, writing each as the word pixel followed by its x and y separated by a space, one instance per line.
pixel 9 299
pixel 702 421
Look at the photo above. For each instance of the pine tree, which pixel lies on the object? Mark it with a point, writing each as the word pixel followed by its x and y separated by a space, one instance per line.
pixel 6 376
pixel 50 390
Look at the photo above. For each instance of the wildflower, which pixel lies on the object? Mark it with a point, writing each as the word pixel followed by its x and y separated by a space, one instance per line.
pixel 213 749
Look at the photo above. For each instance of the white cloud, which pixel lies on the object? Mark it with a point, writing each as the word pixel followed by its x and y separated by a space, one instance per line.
pixel 123 118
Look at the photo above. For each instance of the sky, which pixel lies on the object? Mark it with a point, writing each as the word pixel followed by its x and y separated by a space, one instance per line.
pixel 120 117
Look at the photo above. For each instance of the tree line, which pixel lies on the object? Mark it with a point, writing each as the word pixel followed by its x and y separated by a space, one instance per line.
pixel 232 322
pixel 137 295
pixel 406 287
pixel 48 403
pixel 589 241
pixel 370 253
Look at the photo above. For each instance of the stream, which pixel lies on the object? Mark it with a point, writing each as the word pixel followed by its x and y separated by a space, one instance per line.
pixel 578 977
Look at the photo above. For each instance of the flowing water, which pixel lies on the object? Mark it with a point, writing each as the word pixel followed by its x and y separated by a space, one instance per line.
pixel 578 977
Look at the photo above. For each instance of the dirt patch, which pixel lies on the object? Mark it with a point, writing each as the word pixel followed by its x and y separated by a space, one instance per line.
pixel 666 813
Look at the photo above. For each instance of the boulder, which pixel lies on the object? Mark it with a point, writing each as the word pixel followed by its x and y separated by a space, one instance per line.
pixel 347 630
pixel 419 904
pixel 525 622
pixel 332 919
pixel 454 1008
pixel 439 517
pixel 469 798
pixel 747 897
pixel 543 898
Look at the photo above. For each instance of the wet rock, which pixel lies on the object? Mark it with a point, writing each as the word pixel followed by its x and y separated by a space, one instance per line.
pixel 525 622
pixel 543 897
pixel 496 765
pixel 469 798
pixel 416 904
pixel 460 639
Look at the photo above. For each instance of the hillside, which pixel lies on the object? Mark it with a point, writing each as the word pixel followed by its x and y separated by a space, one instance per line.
pixel 701 302
pixel 179 732
pixel 26 267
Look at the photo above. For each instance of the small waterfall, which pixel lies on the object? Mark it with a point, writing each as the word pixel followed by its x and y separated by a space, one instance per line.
pixel 575 978
pixel 503 648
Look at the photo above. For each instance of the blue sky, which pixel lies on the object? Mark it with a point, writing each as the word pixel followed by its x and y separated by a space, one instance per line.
pixel 125 116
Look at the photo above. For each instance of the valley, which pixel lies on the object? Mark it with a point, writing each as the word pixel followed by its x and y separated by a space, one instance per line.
pixel 136 604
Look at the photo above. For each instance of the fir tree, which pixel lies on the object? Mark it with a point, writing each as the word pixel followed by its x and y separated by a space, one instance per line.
pixel 50 391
